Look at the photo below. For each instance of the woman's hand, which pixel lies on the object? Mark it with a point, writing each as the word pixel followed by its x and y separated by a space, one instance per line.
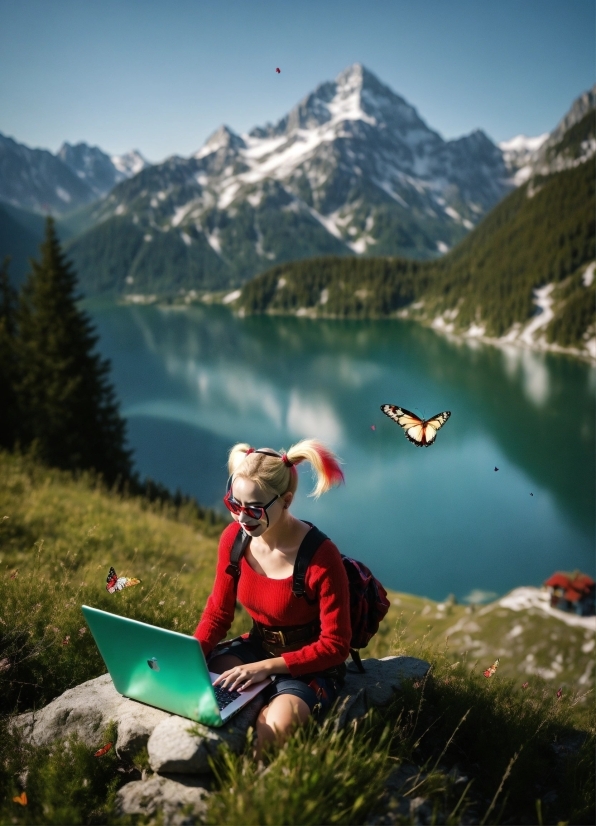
pixel 246 675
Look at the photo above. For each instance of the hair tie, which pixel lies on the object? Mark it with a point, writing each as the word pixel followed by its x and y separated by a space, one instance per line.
pixel 286 461
pixel 250 450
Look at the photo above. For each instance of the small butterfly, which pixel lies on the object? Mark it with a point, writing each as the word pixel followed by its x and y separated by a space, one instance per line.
pixel 421 432
pixel 559 693
pixel 103 750
pixel 117 583
pixel 278 71
pixel 490 671
pixel 496 468
pixel 21 799
pixel 525 685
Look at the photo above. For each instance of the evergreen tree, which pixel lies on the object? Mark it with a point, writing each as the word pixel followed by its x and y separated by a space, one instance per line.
pixel 9 408
pixel 68 407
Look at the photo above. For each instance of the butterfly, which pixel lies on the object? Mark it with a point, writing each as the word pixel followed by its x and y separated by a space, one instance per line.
pixel 103 750
pixel 421 432
pixel 21 799
pixel 490 671
pixel 117 583
pixel 278 71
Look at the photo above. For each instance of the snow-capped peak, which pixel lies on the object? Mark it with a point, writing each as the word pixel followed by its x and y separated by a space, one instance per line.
pixel 130 163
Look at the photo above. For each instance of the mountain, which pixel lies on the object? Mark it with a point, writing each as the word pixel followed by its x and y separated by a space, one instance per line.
pixel 570 143
pixel 526 273
pixel 98 170
pixel 351 170
pixel 37 180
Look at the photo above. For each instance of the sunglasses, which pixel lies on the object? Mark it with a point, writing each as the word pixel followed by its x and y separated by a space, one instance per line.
pixel 258 512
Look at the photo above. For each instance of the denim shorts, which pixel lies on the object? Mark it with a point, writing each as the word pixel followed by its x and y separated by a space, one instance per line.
pixel 318 691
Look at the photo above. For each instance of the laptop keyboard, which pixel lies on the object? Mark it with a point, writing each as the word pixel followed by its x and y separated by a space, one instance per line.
pixel 224 697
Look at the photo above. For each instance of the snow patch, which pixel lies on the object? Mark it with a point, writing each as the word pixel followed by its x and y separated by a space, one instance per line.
pixel 186 238
pixel 475 331
pixel 588 276
pixel 521 599
pixel 120 209
pixel 63 194
pixel 442 247
pixel 214 241
pixel 543 301
pixel 227 299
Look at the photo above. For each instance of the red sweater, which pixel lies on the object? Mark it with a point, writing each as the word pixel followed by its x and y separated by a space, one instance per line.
pixel 271 602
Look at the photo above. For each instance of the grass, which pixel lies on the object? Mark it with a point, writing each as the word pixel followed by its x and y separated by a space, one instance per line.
pixel 467 749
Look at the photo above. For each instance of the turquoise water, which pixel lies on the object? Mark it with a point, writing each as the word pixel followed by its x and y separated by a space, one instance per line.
pixel 432 521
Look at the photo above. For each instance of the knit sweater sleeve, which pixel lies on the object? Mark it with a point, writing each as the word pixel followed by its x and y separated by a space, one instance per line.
pixel 218 615
pixel 327 581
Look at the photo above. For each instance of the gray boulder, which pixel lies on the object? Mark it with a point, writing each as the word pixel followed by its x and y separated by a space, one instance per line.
pixel 86 710
pixel 179 746
pixel 180 799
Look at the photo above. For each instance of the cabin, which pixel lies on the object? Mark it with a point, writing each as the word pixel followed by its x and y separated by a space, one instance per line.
pixel 572 592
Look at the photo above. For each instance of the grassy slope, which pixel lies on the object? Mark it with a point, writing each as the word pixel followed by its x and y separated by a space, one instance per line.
pixel 61 535
pixel 542 233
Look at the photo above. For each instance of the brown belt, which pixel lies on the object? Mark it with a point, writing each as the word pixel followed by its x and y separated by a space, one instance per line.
pixel 276 640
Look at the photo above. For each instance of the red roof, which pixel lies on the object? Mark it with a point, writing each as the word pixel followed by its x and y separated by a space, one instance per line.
pixel 575 585
pixel 558 580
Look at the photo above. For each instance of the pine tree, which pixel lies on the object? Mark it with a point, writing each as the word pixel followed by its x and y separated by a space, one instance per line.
pixel 9 407
pixel 69 409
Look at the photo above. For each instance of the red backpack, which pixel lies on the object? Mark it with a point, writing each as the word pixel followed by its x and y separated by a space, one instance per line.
pixel 368 598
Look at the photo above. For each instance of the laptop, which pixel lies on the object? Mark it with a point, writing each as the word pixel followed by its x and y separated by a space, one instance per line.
pixel 164 669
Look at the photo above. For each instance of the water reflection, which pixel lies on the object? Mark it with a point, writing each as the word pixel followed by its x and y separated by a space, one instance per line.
pixel 433 521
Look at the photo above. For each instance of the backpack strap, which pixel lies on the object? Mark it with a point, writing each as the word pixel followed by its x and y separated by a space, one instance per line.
pixel 308 547
pixel 241 543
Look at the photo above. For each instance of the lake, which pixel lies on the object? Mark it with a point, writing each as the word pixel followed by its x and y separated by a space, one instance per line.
pixel 433 521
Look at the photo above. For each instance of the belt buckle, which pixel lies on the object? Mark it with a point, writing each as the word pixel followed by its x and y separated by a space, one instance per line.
pixel 275 637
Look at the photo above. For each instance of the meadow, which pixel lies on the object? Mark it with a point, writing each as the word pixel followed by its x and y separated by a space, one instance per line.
pixel 473 750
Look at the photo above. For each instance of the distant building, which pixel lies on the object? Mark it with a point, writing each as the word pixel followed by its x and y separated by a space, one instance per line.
pixel 572 592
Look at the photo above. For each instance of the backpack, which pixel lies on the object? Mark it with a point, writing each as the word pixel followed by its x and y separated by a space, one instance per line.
pixel 368 598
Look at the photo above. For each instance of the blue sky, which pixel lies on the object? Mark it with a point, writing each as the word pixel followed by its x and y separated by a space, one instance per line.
pixel 161 76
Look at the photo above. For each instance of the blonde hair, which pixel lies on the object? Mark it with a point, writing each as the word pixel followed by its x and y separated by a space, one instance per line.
pixel 277 471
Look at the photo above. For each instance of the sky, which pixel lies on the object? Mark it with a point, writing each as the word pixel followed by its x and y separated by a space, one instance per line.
pixel 162 76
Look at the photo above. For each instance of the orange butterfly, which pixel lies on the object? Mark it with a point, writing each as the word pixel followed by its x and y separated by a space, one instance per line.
pixel 421 432
pixel 117 583
pixel 490 671
pixel 21 799
pixel 103 750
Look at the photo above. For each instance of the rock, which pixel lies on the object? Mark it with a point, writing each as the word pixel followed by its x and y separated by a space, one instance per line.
pixel 86 710
pixel 383 678
pixel 180 799
pixel 179 745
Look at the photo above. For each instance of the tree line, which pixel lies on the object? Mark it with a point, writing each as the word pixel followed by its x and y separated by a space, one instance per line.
pixel 56 398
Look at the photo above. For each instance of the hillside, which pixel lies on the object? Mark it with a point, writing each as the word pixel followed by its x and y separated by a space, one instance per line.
pixel 540 235
pixel 59 537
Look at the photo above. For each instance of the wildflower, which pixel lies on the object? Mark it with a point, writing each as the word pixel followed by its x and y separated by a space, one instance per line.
pixel 559 693
pixel 4 664
pixel 14 575
pixel 66 640
pixel 82 632
pixel 525 685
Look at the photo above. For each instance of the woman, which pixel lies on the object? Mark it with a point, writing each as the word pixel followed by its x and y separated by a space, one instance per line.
pixel 308 673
